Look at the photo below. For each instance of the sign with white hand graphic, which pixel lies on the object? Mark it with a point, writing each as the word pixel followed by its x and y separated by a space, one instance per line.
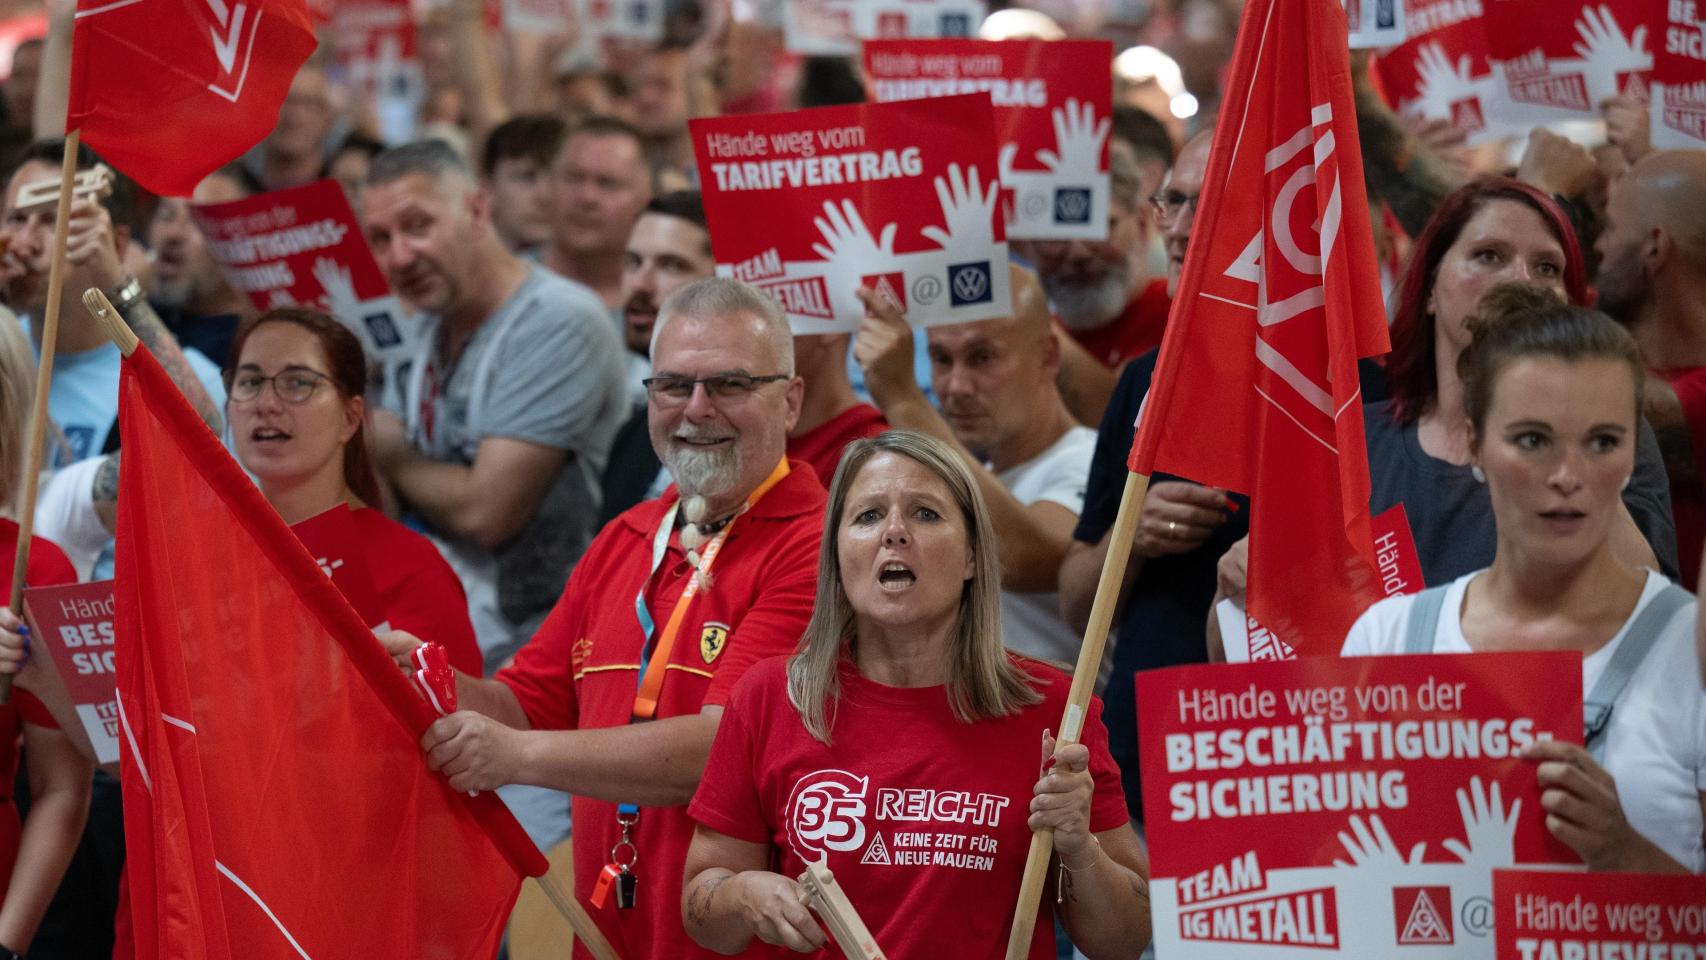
pixel 303 246
pixel 1558 60
pixel 813 204
pixel 835 27
pixel 1679 77
pixel 1547 915
pixel 1441 72
pixel 1354 807
pixel 1052 108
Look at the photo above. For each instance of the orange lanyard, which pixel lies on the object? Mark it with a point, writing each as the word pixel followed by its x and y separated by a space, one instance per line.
pixel 653 668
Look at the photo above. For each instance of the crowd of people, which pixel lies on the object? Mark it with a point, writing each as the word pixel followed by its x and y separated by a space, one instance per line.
pixel 712 590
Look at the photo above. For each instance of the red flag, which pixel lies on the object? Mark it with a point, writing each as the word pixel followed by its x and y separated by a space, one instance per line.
pixel 171 90
pixel 276 801
pixel 1256 386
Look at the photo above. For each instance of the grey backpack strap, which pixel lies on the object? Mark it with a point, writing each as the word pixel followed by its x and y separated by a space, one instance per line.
pixel 1642 634
pixel 1424 620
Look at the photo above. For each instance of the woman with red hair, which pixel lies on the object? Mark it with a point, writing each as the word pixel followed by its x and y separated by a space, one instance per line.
pixel 1486 233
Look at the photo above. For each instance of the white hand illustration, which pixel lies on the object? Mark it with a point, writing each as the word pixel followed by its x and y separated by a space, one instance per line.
pixel 1490 832
pixel 967 210
pixel 1078 138
pixel 340 298
pixel 847 238
pixel 1004 162
pixel 1439 82
pixel 1606 52
pixel 1373 846
pixel 280 298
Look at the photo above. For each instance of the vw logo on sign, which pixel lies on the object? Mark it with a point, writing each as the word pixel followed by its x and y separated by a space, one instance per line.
pixel 1071 205
pixel 968 283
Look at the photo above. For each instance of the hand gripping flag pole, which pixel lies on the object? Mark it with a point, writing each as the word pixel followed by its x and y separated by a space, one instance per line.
pixel 830 903
pixel 44 380
pixel 1078 699
pixel 585 930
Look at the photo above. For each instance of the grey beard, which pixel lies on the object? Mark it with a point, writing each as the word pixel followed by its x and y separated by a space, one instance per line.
pixel 702 472
pixel 1084 307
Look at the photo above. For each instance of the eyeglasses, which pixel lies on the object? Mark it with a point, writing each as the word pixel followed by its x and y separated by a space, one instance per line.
pixel 1169 204
pixel 292 384
pixel 723 386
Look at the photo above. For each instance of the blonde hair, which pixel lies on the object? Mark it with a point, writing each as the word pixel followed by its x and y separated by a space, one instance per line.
pixel 982 681
pixel 17 398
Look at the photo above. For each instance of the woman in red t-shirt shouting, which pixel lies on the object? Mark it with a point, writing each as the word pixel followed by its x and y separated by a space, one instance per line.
pixel 58 773
pixel 296 385
pixel 900 748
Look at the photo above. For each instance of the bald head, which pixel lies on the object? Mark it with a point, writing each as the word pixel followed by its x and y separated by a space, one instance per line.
pixel 1653 246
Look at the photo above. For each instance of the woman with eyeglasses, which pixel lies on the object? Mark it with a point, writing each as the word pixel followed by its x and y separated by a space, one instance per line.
pixel 296 405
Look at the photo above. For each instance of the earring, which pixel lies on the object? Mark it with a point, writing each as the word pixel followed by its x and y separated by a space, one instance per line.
pixel 1475 471
pixel 1626 481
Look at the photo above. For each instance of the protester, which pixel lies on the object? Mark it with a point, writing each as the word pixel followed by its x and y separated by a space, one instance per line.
pixel 1652 278
pixel 188 288
pixel 84 394
pixel 298 412
pixel 296 151
pixel 996 384
pixel 600 183
pixel 1185 527
pixel 1552 396
pixel 497 433
pixel 901 683
pixel 515 169
pixel 831 414
pixel 566 714
pixel 660 101
pixel 33 857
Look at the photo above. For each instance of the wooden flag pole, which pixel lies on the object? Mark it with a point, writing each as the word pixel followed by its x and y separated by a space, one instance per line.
pixel 829 902
pixel 585 930
pixel 1078 700
pixel 579 921
pixel 44 380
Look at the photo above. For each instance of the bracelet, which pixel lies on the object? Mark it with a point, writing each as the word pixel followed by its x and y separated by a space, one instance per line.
pixel 128 294
pixel 1098 856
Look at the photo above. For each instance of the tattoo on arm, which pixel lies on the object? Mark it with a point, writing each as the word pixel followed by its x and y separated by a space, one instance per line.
pixel 152 331
pixel 104 491
pixel 1400 171
pixel 699 905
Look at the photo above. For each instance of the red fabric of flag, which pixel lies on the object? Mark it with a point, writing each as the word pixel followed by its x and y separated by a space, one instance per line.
pixel 1256 386
pixel 276 801
pixel 169 91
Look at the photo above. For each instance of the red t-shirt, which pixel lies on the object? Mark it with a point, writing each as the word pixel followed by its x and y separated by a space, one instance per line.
pixel 580 671
pixel 48 567
pixel 417 589
pixel 1687 508
pixel 1133 333
pixel 922 817
pixel 822 445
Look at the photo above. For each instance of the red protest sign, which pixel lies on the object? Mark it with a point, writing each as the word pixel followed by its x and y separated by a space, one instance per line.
pixel 1546 915
pixel 74 624
pixel 1442 72
pixel 835 27
pixel 1345 807
pixel 332 541
pixel 1558 60
pixel 812 204
pixel 1399 565
pixel 302 246
pixel 1679 78
pixel 1052 108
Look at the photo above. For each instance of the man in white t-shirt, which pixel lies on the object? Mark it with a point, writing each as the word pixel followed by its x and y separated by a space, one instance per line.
pixel 1002 410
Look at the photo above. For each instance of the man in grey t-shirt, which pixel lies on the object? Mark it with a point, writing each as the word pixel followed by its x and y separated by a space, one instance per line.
pixel 496 432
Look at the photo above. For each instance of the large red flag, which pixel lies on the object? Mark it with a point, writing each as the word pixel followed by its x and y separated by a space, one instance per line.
pixel 171 90
pixel 276 804
pixel 1256 386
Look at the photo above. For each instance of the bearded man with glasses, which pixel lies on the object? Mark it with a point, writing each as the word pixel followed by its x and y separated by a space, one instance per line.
pixel 617 697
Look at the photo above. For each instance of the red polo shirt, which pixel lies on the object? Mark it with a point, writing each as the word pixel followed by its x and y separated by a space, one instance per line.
pixel 580 671
pixel 1133 333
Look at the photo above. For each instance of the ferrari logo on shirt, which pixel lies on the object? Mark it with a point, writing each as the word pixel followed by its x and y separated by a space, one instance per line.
pixel 712 640
pixel 579 653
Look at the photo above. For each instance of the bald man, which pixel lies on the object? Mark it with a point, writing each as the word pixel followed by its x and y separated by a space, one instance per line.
pixel 1652 277
pixel 1002 411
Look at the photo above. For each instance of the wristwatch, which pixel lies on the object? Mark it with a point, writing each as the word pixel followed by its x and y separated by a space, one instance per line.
pixel 128 294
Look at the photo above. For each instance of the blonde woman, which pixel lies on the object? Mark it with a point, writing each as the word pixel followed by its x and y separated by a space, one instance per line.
pixel 32 856
pixel 901 745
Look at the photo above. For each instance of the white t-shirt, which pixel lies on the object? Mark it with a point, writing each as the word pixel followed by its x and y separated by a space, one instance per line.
pixel 1655 743
pixel 1030 622
pixel 65 514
